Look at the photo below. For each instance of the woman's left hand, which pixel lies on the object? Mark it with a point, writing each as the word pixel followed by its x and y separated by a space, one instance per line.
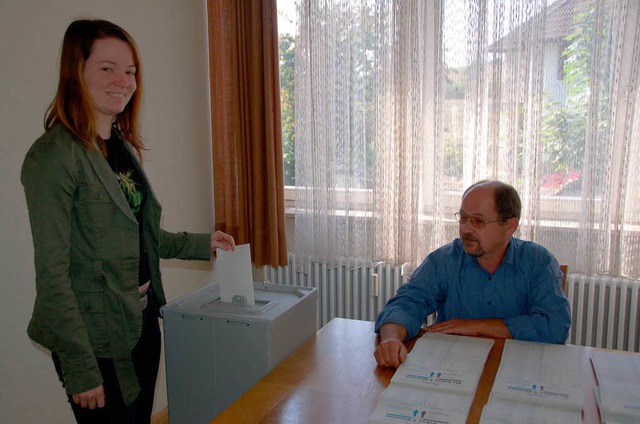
pixel 222 240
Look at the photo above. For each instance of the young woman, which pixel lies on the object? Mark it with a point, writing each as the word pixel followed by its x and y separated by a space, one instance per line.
pixel 96 231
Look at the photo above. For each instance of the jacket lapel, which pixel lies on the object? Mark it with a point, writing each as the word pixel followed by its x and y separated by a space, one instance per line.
pixel 134 159
pixel 106 177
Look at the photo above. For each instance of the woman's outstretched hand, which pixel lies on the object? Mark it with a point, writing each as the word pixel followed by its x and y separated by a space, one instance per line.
pixel 222 240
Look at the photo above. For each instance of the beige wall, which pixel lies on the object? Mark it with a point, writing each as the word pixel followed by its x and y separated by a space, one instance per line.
pixel 172 39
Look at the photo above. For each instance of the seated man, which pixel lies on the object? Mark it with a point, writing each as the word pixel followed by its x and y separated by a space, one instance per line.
pixel 484 283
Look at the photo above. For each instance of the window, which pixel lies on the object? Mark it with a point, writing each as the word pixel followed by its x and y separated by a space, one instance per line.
pixel 287 28
pixel 397 106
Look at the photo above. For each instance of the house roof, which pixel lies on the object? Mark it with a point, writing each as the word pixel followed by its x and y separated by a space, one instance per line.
pixel 559 24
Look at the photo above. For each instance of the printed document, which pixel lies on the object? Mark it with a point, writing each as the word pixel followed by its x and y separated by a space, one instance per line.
pixel 540 372
pixel 400 404
pixel 618 392
pixel 536 383
pixel 436 383
pixel 507 411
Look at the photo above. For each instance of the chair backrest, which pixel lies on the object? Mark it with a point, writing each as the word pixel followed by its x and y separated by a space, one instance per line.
pixel 565 271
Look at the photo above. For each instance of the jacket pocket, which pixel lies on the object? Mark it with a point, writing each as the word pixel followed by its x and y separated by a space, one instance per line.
pixel 94 209
pixel 92 310
pixel 87 276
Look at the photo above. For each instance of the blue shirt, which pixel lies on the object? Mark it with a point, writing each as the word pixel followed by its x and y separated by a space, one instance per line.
pixel 525 290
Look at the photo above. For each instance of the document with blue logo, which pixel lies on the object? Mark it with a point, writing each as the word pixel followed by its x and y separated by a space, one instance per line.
pixel 444 361
pixel 436 383
pixel 402 404
pixel 507 411
pixel 540 373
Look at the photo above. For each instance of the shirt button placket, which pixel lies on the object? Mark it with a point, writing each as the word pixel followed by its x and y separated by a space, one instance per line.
pixel 489 292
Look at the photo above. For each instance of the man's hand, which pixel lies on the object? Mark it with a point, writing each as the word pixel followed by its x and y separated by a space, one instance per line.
pixel 493 327
pixel 391 351
pixel 90 399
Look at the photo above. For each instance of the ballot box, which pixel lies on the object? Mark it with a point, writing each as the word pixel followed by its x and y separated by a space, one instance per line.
pixel 215 350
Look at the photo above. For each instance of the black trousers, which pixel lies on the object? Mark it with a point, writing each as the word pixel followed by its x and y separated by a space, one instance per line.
pixel 146 360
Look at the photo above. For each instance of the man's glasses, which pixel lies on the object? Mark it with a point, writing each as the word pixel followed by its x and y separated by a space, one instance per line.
pixel 474 220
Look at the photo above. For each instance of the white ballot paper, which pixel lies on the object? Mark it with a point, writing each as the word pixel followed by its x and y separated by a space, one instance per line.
pixel 233 270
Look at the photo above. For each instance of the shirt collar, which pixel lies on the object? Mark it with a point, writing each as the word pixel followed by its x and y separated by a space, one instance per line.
pixel 509 254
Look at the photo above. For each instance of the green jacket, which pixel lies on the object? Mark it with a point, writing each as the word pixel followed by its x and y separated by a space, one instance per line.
pixel 86 252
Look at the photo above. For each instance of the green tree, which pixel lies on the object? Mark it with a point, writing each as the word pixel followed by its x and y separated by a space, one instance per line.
pixel 564 129
pixel 286 44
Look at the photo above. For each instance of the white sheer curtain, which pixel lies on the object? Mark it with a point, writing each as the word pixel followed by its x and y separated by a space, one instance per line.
pixel 399 105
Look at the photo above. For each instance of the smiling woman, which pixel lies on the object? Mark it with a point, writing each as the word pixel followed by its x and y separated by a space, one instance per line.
pixel 96 232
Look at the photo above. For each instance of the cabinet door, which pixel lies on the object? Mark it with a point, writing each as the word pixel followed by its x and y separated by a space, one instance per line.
pixel 241 355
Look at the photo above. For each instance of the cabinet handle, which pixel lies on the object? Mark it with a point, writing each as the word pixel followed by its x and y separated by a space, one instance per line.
pixel 240 323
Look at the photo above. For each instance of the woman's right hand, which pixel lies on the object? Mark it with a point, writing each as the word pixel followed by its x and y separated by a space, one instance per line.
pixel 91 398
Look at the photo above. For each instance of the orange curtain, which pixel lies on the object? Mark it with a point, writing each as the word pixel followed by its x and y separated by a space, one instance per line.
pixel 248 172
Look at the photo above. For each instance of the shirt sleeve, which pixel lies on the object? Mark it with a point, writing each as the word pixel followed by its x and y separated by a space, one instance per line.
pixel 185 245
pixel 549 318
pixel 415 300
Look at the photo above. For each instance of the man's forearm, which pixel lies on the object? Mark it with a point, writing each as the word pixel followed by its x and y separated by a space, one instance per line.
pixel 492 327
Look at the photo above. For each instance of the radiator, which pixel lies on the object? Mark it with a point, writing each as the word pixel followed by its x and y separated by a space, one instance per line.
pixel 357 291
pixel 360 291
pixel 605 311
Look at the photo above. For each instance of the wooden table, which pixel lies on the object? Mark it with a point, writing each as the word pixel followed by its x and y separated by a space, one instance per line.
pixel 333 378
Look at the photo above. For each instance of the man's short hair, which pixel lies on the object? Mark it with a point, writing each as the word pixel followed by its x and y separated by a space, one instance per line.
pixel 506 198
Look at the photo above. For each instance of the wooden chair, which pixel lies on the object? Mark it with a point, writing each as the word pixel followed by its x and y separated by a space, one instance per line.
pixel 565 271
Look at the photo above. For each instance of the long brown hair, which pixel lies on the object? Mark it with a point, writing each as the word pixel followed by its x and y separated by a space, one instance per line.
pixel 72 105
